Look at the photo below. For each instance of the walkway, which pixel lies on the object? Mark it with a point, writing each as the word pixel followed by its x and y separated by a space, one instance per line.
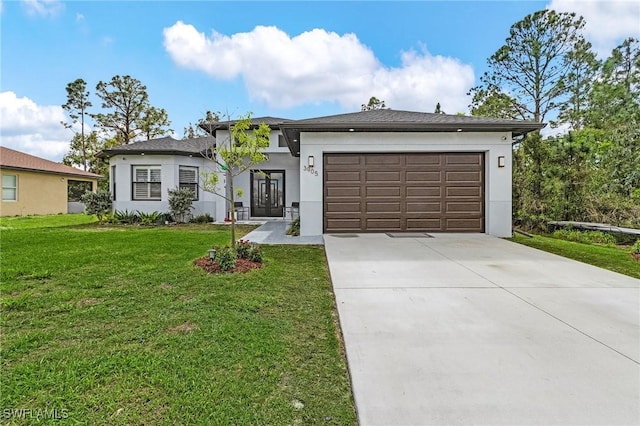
pixel 274 232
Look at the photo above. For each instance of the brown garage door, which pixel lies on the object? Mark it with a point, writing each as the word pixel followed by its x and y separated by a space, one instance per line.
pixel 429 192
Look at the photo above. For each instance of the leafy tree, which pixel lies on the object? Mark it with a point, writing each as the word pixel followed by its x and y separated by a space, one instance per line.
pixel 77 107
pixel 374 103
pixel 495 104
pixel 131 114
pixel 240 152
pixel 196 131
pixel 578 82
pixel 154 123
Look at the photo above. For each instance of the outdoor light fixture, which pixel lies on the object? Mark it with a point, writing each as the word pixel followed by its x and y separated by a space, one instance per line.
pixel 501 161
pixel 212 254
pixel 310 161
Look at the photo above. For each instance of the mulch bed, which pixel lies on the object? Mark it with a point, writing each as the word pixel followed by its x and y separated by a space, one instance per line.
pixel 212 267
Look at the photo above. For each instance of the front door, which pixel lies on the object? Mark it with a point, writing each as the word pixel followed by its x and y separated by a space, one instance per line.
pixel 267 193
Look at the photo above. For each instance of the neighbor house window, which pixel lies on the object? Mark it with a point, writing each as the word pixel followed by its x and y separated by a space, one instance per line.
pixel 9 188
pixel 188 177
pixel 147 183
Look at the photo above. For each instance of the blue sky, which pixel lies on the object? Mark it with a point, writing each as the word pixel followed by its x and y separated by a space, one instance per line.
pixel 285 59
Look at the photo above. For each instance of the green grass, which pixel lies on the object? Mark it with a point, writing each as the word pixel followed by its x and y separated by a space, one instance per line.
pixel 48 221
pixel 115 326
pixel 615 259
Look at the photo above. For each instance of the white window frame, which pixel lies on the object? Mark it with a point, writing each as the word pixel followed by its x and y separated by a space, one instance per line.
pixel 152 181
pixel 192 183
pixel 13 188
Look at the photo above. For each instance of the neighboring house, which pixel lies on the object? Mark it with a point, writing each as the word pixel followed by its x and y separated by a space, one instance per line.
pixel 371 171
pixel 142 173
pixel 35 186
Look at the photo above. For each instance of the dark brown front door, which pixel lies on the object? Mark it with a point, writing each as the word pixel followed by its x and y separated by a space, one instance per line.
pixel 412 192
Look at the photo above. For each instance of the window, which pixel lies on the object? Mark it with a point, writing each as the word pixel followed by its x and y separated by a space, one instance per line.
pixel 9 188
pixel 113 183
pixel 281 142
pixel 188 178
pixel 147 183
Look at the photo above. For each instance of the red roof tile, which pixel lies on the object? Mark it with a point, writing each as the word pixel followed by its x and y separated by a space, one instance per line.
pixel 12 159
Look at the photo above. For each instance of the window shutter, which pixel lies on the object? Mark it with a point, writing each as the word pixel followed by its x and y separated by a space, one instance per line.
pixel 156 175
pixel 142 175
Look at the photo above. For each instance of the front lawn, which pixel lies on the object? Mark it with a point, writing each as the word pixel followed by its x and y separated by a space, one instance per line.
pixel 114 325
pixel 615 259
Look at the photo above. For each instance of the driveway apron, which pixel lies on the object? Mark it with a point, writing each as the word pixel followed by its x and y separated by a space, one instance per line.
pixel 472 329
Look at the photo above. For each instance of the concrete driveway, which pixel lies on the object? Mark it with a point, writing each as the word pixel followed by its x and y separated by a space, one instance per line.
pixel 472 329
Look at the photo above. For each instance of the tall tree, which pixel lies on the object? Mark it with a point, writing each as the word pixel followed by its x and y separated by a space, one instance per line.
pixel 77 107
pixel 373 104
pixel 128 101
pixel 235 155
pixel 578 82
pixel 195 131
pixel 531 67
pixel 154 123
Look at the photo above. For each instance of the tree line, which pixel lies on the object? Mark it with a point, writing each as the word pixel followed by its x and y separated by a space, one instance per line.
pixel 547 72
pixel 126 115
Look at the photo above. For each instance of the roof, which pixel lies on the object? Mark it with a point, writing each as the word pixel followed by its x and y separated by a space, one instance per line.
pixel 163 146
pixel 272 122
pixel 389 120
pixel 16 160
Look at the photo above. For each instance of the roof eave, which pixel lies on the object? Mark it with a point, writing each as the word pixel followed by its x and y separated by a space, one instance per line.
pixel 52 172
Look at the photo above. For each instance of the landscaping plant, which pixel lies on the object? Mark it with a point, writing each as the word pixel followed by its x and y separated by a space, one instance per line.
pixel 98 203
pixel 181 203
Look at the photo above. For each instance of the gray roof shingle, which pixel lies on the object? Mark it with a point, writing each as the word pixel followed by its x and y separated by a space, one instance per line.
pixel 166 145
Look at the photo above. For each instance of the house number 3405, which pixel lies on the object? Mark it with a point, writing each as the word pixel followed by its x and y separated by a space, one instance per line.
pixel 310 170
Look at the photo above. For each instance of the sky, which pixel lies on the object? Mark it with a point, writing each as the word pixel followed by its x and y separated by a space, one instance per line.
pixel 289 59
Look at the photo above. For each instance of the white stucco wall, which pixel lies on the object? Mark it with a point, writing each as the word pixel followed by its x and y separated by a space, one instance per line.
pixel 497 180
pixel 279 159
pixel 207 202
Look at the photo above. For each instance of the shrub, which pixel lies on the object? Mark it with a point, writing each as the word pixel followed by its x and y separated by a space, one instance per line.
pixel 294 228
pixel 98 203
pixel 242 248
pixel 588 237
pixel 125 216
pixel 255 254
pixel 635 248
pixel 226 258
pixel 149 218
pixel 203 218
pixel 181 203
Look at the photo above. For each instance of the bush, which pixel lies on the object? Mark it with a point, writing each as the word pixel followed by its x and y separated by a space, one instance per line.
pixel 98 203
pixel 242 249
pixel 226 258
pixel 149 218
pixel 294 228
pixel 181 203
pixel 635 249
pixel 255 254
pixel 125 216
pixel 203 218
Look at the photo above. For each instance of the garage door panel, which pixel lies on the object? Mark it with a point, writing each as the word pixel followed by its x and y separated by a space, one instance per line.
pixel 340 207
pixel 381 207
pixel 423 191
pixel 383 191
pixel 343 191
pixel 464 191
pixel 380 176
pixel 430 192
pixel 339 176
pixel 465 177
pixel 424 207
pixel 413 176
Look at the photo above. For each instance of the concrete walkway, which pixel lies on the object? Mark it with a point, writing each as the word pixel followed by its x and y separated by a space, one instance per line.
pixel 275 232
pixel 471 329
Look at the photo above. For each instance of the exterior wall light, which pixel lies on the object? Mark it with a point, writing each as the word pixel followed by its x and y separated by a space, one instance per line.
pixel 501 161
pixel 310 161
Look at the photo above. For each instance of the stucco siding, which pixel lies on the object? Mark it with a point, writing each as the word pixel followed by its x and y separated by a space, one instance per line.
pixel 38 193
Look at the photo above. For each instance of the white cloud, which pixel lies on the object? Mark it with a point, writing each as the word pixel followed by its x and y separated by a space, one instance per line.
pixel 44 8
pixel 319 66
pixel 32 128
pixel 608 22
